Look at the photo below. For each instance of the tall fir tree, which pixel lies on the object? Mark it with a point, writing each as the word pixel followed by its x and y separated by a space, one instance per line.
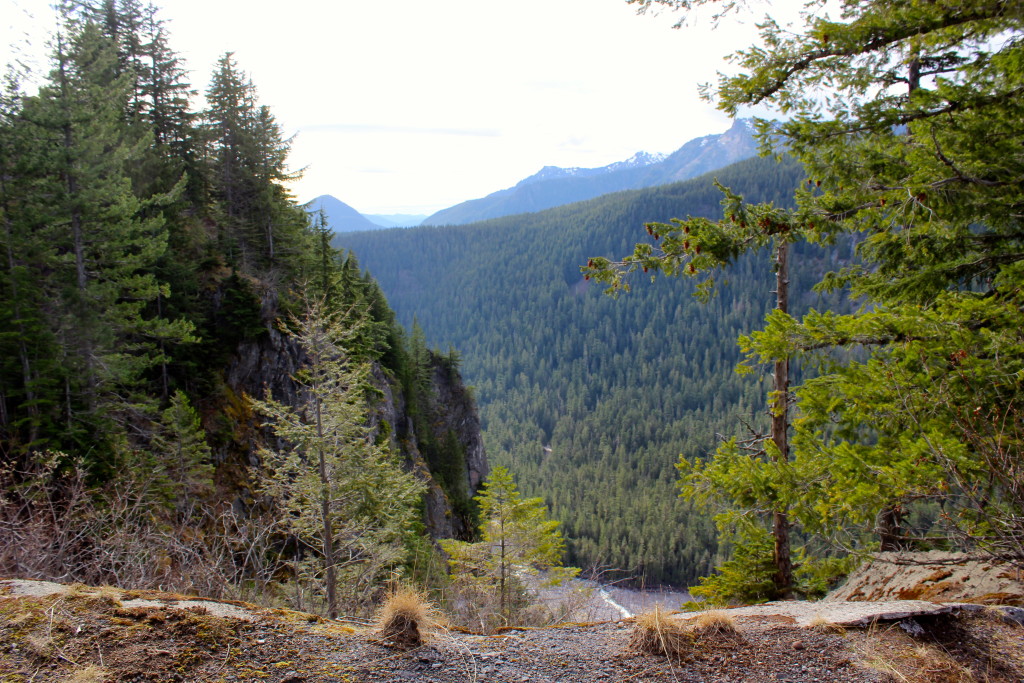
pixel 907 115
pixel 344 496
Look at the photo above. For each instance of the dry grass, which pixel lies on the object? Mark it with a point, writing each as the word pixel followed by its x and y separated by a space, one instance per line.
pixel 41 646
pixel 90 674
pixel 656 632
pixel 406 618
pixel 713 624
pixel 893 652
pixel 822 625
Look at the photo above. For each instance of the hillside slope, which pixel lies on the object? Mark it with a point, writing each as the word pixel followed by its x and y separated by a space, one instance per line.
pixel 340 216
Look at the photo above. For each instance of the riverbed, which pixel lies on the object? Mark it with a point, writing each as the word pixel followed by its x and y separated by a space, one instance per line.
pixel 582 600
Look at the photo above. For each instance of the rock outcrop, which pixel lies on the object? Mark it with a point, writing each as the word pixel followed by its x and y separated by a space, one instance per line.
pixel 936 576
pixel 270 361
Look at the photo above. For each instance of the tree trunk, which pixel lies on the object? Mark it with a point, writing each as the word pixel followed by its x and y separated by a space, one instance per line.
pixel 77 235
pixel 780 428
pixel 504 569
pixel 890 520
pixel 325 512
pixel 23 353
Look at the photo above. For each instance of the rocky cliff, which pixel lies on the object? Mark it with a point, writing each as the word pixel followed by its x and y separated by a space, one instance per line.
pixel 438 438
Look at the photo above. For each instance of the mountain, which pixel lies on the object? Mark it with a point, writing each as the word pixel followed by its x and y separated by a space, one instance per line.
pixel 553 186
pixel 395 220
pixel 588 400
pixel 340 216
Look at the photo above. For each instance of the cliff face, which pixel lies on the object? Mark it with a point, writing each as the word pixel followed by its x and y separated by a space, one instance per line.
pixel 455 426
pixel 440 441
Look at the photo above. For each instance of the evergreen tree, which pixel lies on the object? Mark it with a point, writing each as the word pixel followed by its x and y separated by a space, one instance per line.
pixel 907 115
pixel 28 371
pixel 342 495
pixel 101 245
pixel 182 452
pixel 247 157
pixel 517 540
pixel 698 246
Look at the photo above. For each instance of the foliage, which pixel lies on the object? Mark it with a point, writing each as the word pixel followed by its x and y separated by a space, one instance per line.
pixel 340 494
pixel 519 545
pixel 906 117
pixel 147 251
pixel 747 576
pixel 903 159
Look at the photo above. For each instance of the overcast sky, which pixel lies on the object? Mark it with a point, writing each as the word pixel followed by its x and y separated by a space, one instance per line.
pixel 410 106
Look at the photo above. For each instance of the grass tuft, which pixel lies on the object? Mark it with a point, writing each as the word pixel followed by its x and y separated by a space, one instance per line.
pixel 903 658
pixel 713 624
pixel 820 624
pixel 90 674
pixel 656 632
pixel 406 618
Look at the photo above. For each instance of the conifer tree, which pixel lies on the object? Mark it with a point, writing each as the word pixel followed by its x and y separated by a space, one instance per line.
pixel 101 245
pixel 699 246
pixel 183 454
pixel 907 115
pixel 517 540
pixel 344 497
pixel 247 156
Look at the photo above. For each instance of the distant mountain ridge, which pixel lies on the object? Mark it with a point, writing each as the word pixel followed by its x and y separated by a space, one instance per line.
pixel 343 218
pixel 638 160
pixel 553 186
pixel 340 216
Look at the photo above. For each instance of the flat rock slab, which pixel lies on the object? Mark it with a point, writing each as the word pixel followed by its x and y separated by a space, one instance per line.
pixel 845 614
pixel 219 609
pixel 31 588
pixel 935 576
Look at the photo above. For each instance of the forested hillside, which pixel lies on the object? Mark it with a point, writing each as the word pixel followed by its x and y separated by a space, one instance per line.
pixel 589 400
pixel 170 320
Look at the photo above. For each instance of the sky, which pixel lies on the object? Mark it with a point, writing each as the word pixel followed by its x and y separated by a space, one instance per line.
pixel 409 106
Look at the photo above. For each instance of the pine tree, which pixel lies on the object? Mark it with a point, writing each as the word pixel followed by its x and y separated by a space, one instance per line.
pixel 341 495
pixel 698 246
pixel 246 166
pixel 517 540
pixel 908 117
pixel 28 373
pixel 101 245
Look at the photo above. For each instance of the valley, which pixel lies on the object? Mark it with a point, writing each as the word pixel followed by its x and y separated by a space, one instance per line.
pixel 590 401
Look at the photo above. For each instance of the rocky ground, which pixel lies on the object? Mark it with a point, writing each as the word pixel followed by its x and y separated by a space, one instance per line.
pixel 50 632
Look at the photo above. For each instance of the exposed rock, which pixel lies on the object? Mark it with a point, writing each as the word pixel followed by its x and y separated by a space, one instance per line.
pixel 271 360
pixel 936 576
pixel 846 614
pixel 460 416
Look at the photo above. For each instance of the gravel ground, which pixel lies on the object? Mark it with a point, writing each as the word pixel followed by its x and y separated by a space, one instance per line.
pixel 84 635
